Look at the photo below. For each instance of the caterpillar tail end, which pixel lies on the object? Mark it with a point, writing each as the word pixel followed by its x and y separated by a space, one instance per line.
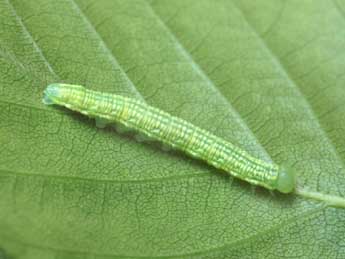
pixel 51 94
pixel 286 182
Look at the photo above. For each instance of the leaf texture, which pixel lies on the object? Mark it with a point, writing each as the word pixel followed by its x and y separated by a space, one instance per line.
pixel 267 75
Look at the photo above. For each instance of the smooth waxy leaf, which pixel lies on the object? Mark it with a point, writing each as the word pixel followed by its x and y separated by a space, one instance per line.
pixel 266 75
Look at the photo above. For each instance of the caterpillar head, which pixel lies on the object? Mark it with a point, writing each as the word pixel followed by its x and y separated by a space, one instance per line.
pixel 60 93
pixel 286 181
pixel 51 94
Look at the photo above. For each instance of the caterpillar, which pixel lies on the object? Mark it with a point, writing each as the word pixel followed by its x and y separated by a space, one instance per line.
pixel 172 131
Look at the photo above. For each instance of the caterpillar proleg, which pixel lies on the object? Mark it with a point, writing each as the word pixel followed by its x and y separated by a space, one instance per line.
pixel 171 131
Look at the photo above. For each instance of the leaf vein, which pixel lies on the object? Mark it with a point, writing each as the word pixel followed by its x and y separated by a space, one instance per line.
pixel 105 47
pixel 27 33
pixel 293 84
pixel 78 178
pixel 204 76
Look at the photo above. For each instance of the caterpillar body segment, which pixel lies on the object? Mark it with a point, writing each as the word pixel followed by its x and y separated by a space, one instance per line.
pixel 171 131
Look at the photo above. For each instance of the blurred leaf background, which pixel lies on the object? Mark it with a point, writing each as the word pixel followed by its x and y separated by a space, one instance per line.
pixel 267 75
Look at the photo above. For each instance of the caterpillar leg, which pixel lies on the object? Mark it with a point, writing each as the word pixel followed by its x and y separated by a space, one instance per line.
pixel 101 123
pixel 166 148
pixel 142 138
pixel 272 193
pixel 121 129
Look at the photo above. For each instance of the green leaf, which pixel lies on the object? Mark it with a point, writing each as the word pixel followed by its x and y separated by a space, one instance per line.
pixel 267 75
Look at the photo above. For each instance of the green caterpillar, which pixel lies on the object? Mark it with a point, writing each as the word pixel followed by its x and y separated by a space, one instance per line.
pixel 172 131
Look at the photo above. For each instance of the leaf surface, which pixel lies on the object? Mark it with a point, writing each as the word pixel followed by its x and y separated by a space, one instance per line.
pixel 266 75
